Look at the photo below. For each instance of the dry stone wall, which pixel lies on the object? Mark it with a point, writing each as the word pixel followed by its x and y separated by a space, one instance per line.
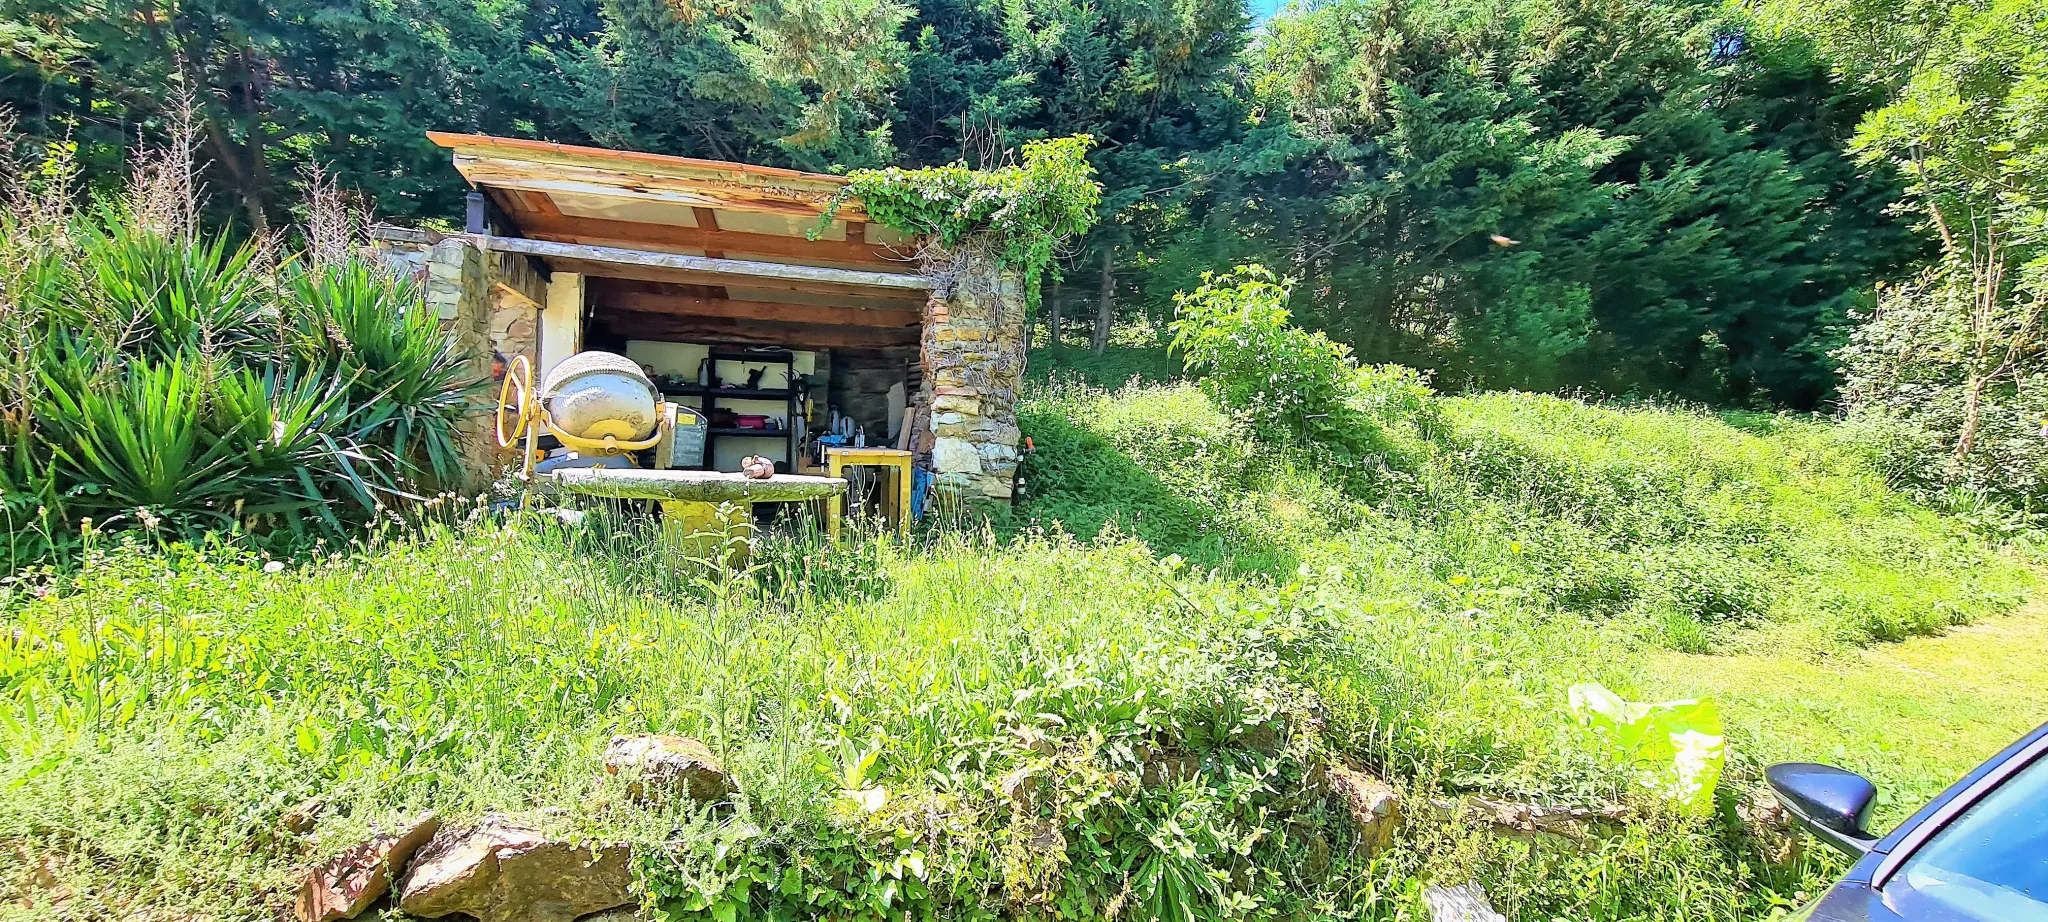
pixel 458 282
pixel 973 361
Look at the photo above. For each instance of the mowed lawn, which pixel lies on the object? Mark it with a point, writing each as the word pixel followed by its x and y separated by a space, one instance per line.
pixel 1911 716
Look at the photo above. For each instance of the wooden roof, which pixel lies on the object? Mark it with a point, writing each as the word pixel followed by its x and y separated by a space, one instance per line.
pixel 547 167
pixel 625 214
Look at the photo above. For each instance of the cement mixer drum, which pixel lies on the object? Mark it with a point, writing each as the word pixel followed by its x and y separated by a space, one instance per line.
pixel 596 394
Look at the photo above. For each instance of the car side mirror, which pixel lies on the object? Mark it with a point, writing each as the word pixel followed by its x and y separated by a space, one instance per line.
pixel 1832 803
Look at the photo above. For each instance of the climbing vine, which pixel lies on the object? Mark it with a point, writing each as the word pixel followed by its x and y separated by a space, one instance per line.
pixel 1017 215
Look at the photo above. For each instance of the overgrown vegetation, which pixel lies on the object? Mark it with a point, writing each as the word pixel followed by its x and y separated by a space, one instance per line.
pixel 960 728
pixel 161 378
pixel 1687 529
pixel 1016 215
pixel 1037 727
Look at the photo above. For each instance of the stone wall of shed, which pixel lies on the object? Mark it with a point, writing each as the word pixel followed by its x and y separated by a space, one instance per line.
pixel 462 285
pixel 973 357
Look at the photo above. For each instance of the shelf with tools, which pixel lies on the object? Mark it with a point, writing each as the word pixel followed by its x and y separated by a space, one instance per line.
pixel 724 405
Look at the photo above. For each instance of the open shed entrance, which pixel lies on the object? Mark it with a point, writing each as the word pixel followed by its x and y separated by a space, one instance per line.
pixel 718 278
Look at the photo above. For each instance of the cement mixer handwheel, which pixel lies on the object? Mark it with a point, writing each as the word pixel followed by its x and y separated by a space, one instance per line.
pixel 517 394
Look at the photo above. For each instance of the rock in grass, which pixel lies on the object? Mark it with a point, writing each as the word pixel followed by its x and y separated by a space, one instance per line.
pixel 347 884
pixel 657 766
pixel 1771 827
pixel 1463 903
pixel 1374 806
pixel 500 872
pixel 301 819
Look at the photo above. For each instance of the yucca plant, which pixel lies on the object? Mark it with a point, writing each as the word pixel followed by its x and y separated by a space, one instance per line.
pixel 280 425
pixel 408 384
pixel 166 294
pixel 138 437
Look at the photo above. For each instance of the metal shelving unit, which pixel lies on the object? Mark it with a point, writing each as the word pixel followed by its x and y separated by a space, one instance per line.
pixel 792 397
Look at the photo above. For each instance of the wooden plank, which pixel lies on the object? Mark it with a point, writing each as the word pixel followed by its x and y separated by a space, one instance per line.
pixel 552 151
pixel 869 299
pixel 709 191
pixel 727 271
pixel 737 332
pixel 686 305
pixel 539 202
pixel 606 232
pixel 710 280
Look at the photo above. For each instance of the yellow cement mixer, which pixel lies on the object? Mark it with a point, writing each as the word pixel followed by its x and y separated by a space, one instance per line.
pixel 602 404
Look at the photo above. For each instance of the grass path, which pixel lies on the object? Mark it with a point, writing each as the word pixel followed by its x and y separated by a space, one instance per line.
pixel 1912 716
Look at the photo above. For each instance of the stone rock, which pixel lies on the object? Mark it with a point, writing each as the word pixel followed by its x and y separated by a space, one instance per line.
pixel 1022 787
pixel 300 819
pixel 43 882
pixel 1163 766
pixel 1463 903
pixel 349 882
pixel 656 766
pixel 1771 826
pixel 1374 806
pixel 955 456
pixel 500 872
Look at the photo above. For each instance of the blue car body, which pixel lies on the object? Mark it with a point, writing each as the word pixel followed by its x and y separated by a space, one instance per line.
pixel 1860 896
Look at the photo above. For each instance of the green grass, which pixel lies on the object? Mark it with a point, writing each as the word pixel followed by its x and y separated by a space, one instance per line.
pixel 1912 716
pixel 1225 599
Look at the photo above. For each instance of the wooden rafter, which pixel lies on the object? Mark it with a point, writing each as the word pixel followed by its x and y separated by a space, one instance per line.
pixel 694 306
pixel 742 332
pixel 869 300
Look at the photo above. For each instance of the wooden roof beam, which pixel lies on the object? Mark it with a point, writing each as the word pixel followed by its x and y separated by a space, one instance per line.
pixel 692 306
pixel 738 332
pixel 616 262
pixel 608 232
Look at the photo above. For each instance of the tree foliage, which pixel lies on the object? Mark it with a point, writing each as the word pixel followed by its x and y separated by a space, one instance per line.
pixel 1958 356
pixel 1665 197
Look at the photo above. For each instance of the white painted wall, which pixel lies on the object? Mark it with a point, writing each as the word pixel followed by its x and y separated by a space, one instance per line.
pixel 561 322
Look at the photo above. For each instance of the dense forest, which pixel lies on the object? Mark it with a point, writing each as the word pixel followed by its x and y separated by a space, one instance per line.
pixel 1675 197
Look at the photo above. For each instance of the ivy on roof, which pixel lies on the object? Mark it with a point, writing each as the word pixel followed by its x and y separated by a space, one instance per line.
pixel 1017 215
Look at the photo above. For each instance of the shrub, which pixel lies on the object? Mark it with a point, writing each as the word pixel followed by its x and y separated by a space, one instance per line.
pixel 1947 384
pixel 1292 387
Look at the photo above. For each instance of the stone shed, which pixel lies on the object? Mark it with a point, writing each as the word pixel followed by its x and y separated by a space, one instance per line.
pixel 724 282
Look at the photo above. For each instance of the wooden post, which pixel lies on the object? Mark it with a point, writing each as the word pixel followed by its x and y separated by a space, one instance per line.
pixel 1105 305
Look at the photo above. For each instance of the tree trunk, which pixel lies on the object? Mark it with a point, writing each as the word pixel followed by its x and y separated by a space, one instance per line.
pixel 1105 305
pixel 1973 398
pixel 1052 316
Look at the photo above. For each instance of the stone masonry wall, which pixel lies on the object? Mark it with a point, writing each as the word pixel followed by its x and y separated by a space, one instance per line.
pixel 456 281
pixel 458 290
pixel 973 361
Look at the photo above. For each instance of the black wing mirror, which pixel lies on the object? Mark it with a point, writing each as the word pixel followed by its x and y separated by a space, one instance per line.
pixel 1834 804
